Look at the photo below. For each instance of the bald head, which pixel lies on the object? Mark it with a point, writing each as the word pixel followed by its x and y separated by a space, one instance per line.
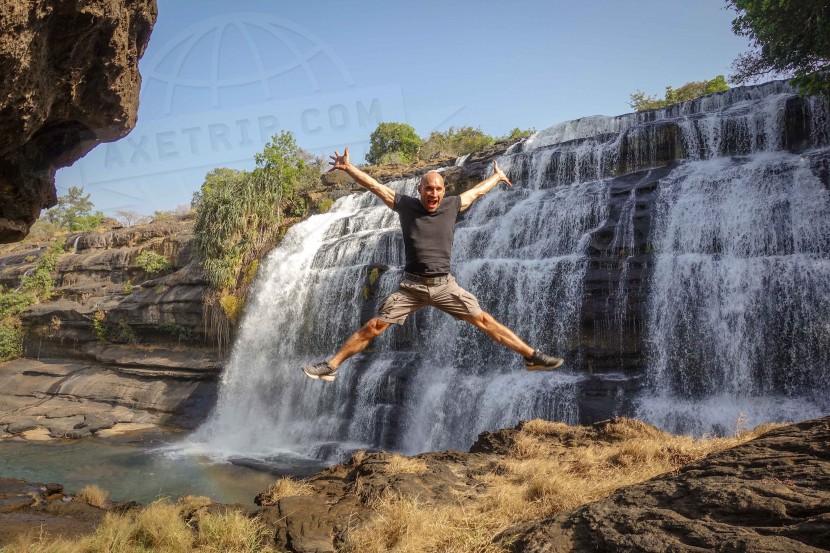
pixel 431 190
pixel 432 176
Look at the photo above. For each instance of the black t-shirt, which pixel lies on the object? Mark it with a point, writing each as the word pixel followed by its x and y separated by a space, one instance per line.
pixel 427 237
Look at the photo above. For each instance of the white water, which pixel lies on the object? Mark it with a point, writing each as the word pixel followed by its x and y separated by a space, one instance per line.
pixel 740 300
pixel 431 384
pixel 738 317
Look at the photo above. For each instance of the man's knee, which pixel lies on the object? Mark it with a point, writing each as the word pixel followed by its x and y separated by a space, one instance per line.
pixel 374 328
pixel 483 320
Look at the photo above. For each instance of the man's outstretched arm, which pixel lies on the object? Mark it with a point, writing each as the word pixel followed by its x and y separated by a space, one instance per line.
pixel 482 188
pixel 386 194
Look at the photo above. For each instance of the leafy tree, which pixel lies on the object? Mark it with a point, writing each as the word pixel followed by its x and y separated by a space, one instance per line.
pixel 294 169
pixel 688 91
pixel 455 142
pixel 791 37
pixel 74 211
pixel 390 138
pixel 238 212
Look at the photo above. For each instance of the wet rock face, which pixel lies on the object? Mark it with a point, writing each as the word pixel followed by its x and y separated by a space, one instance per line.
pixel 70 81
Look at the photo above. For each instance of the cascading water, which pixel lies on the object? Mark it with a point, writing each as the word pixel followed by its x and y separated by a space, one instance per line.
pixel 693 206
pixel 435 382
pixel 739 311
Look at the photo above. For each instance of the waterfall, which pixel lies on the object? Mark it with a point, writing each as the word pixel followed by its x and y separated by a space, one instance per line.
pixel 740 302
pixel 435 382
pixel 688 245
pixel 739 310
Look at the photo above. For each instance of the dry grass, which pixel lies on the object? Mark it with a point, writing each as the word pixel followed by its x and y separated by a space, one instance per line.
pixel 92 495
pixel 285 487
pixel 159 527
pixel 398 464
pixel 230 532
pixel 405 525
pixel 539 477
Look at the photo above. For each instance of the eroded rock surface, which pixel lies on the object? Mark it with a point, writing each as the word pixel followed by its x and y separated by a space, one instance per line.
pixel 70 81
pixel 771 494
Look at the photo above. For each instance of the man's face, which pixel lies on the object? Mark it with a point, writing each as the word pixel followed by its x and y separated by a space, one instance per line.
pixel 432 191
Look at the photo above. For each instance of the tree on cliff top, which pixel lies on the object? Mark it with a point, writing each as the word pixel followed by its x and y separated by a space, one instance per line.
pixel 74 211
pixel 397 140
pixel 688 91
pixel 791 37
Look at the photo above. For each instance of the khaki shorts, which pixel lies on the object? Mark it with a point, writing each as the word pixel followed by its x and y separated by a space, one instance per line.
pixel 448 296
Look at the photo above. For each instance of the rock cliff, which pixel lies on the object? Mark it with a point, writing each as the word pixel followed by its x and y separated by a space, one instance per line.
pixel 117 344
pixel 70 81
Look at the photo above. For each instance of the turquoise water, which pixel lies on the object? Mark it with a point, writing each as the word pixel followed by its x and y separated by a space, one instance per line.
pixel 139 472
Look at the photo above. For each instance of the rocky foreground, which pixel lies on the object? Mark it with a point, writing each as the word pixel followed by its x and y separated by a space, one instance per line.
pixel 770 494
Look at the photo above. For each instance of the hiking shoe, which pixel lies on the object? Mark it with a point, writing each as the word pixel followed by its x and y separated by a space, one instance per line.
pixel 323 371
pixel 541 362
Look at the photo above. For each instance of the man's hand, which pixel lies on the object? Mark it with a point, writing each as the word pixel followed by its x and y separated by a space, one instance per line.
pixel 386 194
pixel 499 173
pixel 340 162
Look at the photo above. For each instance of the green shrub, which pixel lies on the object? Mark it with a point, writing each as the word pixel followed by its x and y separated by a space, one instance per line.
pixel 455 142
pixel 238 212
pixel 13 303
pixel 34 287
pixel 122 333
pixel 518 134
pixel 98 326
pixel 40 282
pixel 152 262
pixel 324 204
pixel 127 288
pixel 390 138
pixel 11 339
pixel 180 332
pixel 688 91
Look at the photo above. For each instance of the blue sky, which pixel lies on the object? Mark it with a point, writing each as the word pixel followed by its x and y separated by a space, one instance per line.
pixel 221 77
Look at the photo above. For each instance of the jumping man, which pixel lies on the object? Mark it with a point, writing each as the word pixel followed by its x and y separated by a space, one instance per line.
pixel 428 226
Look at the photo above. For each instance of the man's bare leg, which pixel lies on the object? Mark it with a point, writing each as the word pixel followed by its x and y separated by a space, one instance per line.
pixel 534 360
pixel 358 341
pixel 499 333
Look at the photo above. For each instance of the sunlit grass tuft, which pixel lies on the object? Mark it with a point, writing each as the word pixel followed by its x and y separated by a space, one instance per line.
pixel 92 495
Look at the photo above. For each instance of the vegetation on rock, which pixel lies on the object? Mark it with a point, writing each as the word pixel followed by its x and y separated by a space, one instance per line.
pixel 455 142
pixel 34 287
pixel 153 262
pixel 548 468
pixel 790 38
pixel 528 474
pixel 688 91
pixel 238 215
pixel 397 143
